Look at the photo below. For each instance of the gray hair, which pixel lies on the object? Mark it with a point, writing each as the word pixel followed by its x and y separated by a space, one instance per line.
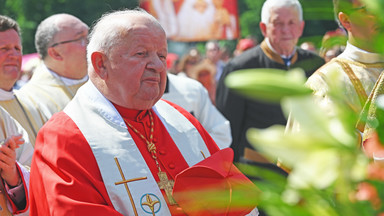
pixel 45 33
pixel 107 31
pixel 269 4
pixel 211 44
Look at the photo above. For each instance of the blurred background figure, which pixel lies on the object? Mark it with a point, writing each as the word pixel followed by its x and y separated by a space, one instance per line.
pixel 280 19
pixel 28 65
pixel 193 97
pixel 195 18
pixel 213 54
pixel 165 13
pixel 172 61
pixel 222 26
pixel 310 46
pixel 244 44
pixel 205 72
pixel 61 41
pixel 333 44
pixel 188 61
pixel 225 55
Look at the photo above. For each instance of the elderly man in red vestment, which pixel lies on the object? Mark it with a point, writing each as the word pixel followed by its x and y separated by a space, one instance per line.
pixel 117 149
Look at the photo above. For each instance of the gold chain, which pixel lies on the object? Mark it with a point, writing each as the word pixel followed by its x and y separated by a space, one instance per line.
pixel 150 145
pixel 164 183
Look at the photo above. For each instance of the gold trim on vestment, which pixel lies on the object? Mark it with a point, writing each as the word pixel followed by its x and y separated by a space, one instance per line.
pixel 355 81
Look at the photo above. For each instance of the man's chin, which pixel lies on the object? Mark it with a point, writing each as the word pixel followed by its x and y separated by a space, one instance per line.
pixel 12 74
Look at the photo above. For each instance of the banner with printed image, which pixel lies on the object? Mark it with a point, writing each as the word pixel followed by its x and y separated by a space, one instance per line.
pixel 195 20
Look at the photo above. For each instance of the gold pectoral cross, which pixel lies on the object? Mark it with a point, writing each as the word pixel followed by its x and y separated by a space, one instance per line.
pixel 125 182
pixel 167 185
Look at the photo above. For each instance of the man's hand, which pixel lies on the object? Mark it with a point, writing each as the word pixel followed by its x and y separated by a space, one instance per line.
pixel 8 167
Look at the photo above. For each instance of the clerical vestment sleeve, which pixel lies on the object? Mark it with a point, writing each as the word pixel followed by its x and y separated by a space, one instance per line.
pixel 65 179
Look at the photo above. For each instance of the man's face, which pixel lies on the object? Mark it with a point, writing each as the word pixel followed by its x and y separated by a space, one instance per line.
pixel 213 53
pixel 10 58
pixel 137 67
pixel 74 52
pixel 284 29
pixel 363 25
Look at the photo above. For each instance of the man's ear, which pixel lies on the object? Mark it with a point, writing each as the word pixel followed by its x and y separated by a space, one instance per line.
pixel 302 25
pixel 263 28
pixel 98 62
pixel 345 21
pixel 53 53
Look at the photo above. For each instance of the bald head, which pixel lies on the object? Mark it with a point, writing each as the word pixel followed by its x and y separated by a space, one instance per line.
pixel 50 27
pixel 111 27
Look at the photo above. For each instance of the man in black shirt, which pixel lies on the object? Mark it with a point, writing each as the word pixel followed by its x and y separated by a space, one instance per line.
pixel 282 25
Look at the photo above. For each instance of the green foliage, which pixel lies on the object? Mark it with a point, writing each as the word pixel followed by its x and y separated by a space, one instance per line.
pixel 268 84
pixel 325 163
pixel 249 18
pixel 379 125
pixel 29 13
pixel 376 8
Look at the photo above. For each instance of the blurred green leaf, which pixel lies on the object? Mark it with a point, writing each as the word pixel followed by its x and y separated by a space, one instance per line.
pixel 268 84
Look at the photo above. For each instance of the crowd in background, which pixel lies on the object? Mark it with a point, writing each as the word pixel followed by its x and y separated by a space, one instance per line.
pixel 205 66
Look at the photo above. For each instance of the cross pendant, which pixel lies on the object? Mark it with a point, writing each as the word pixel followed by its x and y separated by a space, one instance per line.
pixel 167 185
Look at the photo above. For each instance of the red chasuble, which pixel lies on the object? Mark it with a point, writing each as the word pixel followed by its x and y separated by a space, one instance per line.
pixel 169 157
pixel 65 178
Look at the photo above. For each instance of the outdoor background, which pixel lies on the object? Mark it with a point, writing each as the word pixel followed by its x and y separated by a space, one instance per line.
pixel 318 15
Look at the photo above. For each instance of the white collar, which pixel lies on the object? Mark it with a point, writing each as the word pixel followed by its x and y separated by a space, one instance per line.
pixel 101 104
pixel 67 81
pixel 354 53
pixel 6 95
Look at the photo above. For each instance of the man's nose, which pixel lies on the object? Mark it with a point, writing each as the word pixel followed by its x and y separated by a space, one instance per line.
pixel 15 53
pixel 156 63
pixel 285 27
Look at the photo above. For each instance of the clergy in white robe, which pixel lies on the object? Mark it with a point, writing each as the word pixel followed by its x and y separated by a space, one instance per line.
pixel 19 107
pixel 61 41
pixel 193 97
pixel 356 71
pixel 23 110
pixel 49 92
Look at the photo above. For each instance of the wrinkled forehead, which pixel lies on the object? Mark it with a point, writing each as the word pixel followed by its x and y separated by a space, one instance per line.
pixel 128 24
pixel 149 32
pixel 140 35
pixel 9 36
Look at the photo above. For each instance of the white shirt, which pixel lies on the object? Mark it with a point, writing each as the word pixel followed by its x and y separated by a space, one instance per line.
pixel 193 97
